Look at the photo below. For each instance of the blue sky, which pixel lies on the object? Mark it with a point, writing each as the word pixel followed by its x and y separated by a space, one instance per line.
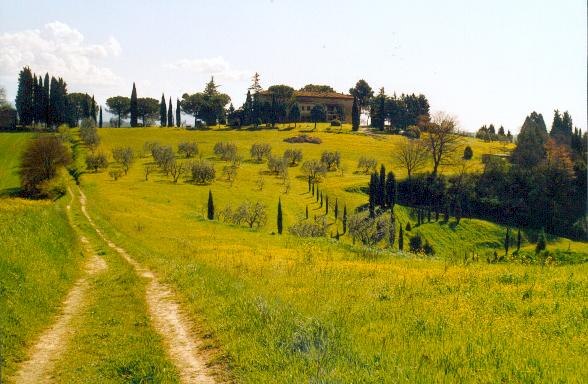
pixel 483 61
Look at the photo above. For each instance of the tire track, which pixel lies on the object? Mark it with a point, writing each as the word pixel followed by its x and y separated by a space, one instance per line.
pixel 168 318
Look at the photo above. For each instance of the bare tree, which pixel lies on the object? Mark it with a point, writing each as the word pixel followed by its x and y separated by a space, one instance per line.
pixel 442 139
pixel 148 169
pixel 177 169
pixel 412 156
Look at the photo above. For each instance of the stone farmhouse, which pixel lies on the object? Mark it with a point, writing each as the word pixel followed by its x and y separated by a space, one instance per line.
pixel 337 105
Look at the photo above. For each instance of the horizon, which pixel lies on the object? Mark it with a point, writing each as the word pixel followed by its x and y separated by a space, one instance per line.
pixel 459 60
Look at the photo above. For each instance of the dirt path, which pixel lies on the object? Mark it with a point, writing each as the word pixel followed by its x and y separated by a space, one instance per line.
pixel 48 349
pixel 167 316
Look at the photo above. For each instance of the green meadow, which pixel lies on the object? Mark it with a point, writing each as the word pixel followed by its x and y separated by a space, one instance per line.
pixel 279 308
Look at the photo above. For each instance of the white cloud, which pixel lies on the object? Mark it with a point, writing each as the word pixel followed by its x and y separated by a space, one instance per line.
pixel 60 50
pixel 216 66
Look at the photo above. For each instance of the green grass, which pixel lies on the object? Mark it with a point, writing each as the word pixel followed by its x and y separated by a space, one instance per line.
pixel 114 341
pixel 11 145
pixel 39 261
pixel 283 309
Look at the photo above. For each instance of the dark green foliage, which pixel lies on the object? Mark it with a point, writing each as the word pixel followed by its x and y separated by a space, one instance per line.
pixel 408 227
pixel 391 190
pixel 428 248
pixel 336 208
pixel 401 238
pixel 178 114
pixel 210 214
pixel 93 109
pixel 170 114
pixel 506 240
pixel 561 128
pixel 345 219
pixel 321 199
pixel 119 106
pixel 372 194
pixel 162 111
pixel 133 107
pixel 294 114
pixel 208 105
pixel 309 183
pixel 326 205
pixel 362 93
pixel 24 97
pixel 317 88
pixel 279 216
pixel 100 118
pixel 40 162
pixel 530 149
pixel 541 242
pixel 468 153
pixel 307 212
pixel 519 240
pixel 416 243
pixel 318 114
pixel 381 188
pixel 355 115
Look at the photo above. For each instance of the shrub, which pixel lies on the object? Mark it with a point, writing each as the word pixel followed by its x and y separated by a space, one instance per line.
pixel 468 153
pixel 332 160
pixel 89 133
pixel 260 150
pixel 315 169
pixel 226 151
pixel 412 132
pixel 335 123
pixel 293 156
pixel 277 166
pixel 189 149
pixel 367 164
pixel 41 161
pixel 115 174
pixel 303 139
pixel 369 231
pixel 53 188
pixel 428 248
pixel 252 214
pixel 164 157
pixel 304 228
pixel 416 243
pixel 96 162
pixel 202 171
pixel 124 156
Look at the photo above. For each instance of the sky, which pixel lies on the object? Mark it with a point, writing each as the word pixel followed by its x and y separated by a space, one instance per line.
pixel 482 61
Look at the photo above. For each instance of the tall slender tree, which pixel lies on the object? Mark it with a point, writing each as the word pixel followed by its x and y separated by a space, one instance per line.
pixel 506 241
pixel 46 116
pixel 336 209
pixel 519 238
pixel 391 190
pixel 100 118
pixel 401 238
pixel 279 216
pixel 133 109
pixel 162 111
pixel 24 97
pixel 345 219
pixel 210 214
pixel 93 109
pixel 170 115
pixel 354 115
pixel 382 187
pixel 178 114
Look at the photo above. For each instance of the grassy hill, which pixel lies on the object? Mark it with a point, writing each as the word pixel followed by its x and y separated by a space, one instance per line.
pixel 11 145
pixel 280 307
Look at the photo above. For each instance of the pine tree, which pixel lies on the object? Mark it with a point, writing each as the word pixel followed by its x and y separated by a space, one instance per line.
pixel 391 190
pixel 178 114
pixel 210 206
pixel 100 118
pixel 401 238
pixel 506 241
pixel 354 115
pixel 279 216
pixel 170 115
pixel 134 108
pixel 519 240
pixel 336 209
pixel 345 219
pixel 162 112
pixel 24 97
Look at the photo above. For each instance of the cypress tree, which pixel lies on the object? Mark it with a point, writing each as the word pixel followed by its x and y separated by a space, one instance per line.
pixel 93 109
pixel 279 216
pixel 178 114
pixel 100 118
pixel 336 209
pixel 392 232
pixel 317 193
pixel 326 205
pixel 401 238
pixel 391 190
pixel 307 212
pixel 321 199
pixel 519 240
pixel 372 191
pixel 309 183
pixel 312 188
pixel 408 227
pixel 162 112
pixel 46 111
pixel 354 115
pixel 38 98
pixel 210 206
pixel 337 235
pixel 170 115
pixel 24 97
pixel 506 241
pixel 85 106
pixel 134 109
pixel 382 187
pixel 345 219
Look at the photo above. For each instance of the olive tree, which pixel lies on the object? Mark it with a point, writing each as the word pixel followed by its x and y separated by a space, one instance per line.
pixel 260 150
pixel 124 156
